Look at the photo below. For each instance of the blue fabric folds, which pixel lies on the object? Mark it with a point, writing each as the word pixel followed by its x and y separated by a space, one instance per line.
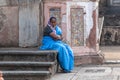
pixel 65 53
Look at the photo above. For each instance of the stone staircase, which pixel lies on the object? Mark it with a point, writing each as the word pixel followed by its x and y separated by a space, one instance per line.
pixel 27 64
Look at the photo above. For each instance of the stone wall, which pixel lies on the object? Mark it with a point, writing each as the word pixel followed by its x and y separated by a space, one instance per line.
pixel 110 11
pixel 20 23
pixel 110 36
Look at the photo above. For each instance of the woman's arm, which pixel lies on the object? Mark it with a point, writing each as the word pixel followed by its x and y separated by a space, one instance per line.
pixel 56 37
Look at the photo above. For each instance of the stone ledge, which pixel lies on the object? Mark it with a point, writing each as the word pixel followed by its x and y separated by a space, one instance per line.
pixel 25 73
pixel 20 63
pixel 91 58
pixel 26 52
pixel 71 0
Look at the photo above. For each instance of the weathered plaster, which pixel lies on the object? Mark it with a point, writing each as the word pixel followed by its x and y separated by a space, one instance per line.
pixel 9 26
pixel 20 24
pixel 88 7
pixel 29 25
pixel 92 35
pixel 8 3
pixel 3 2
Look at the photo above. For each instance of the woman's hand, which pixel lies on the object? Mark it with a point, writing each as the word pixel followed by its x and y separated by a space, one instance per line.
pixel 60 37
pixel 56 37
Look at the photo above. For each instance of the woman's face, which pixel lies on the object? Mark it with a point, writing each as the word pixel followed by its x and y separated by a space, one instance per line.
pixel 53 22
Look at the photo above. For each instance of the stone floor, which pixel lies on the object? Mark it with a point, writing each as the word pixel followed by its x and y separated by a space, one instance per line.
pixel 94 72
pixel 111 52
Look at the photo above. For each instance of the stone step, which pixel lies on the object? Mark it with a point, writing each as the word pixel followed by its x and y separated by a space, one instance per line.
pixel 27 64
pixel 18 65
pixel 89 58
pixel 25 75
pixel 28 55
pixel 112 63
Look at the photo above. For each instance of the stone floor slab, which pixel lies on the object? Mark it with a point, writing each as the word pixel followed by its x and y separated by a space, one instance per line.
pixel 97 77
pixel 66 76
pixel 63 76
pixel 116 71
pixel 119 78
pixel 76 69
pixel 97 71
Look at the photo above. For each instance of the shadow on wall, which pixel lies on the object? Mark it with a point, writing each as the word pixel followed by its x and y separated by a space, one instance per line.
pixel 110 36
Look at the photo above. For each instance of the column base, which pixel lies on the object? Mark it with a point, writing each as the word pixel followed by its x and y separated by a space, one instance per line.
pixel 88 57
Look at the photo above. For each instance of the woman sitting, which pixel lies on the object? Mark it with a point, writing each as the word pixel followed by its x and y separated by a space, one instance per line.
pixel 52 40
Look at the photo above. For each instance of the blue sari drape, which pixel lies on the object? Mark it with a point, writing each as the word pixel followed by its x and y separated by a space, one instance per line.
pixel 65 53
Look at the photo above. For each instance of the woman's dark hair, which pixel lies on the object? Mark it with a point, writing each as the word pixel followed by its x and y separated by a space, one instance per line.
pixel 53 18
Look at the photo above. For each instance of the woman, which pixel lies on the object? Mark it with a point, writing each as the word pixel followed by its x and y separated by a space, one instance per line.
pixel 52 40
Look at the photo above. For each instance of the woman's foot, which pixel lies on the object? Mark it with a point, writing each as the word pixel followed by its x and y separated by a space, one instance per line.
pixel 65 71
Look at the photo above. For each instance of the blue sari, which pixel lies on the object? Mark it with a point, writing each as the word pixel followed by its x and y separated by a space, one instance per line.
pixel 65 53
